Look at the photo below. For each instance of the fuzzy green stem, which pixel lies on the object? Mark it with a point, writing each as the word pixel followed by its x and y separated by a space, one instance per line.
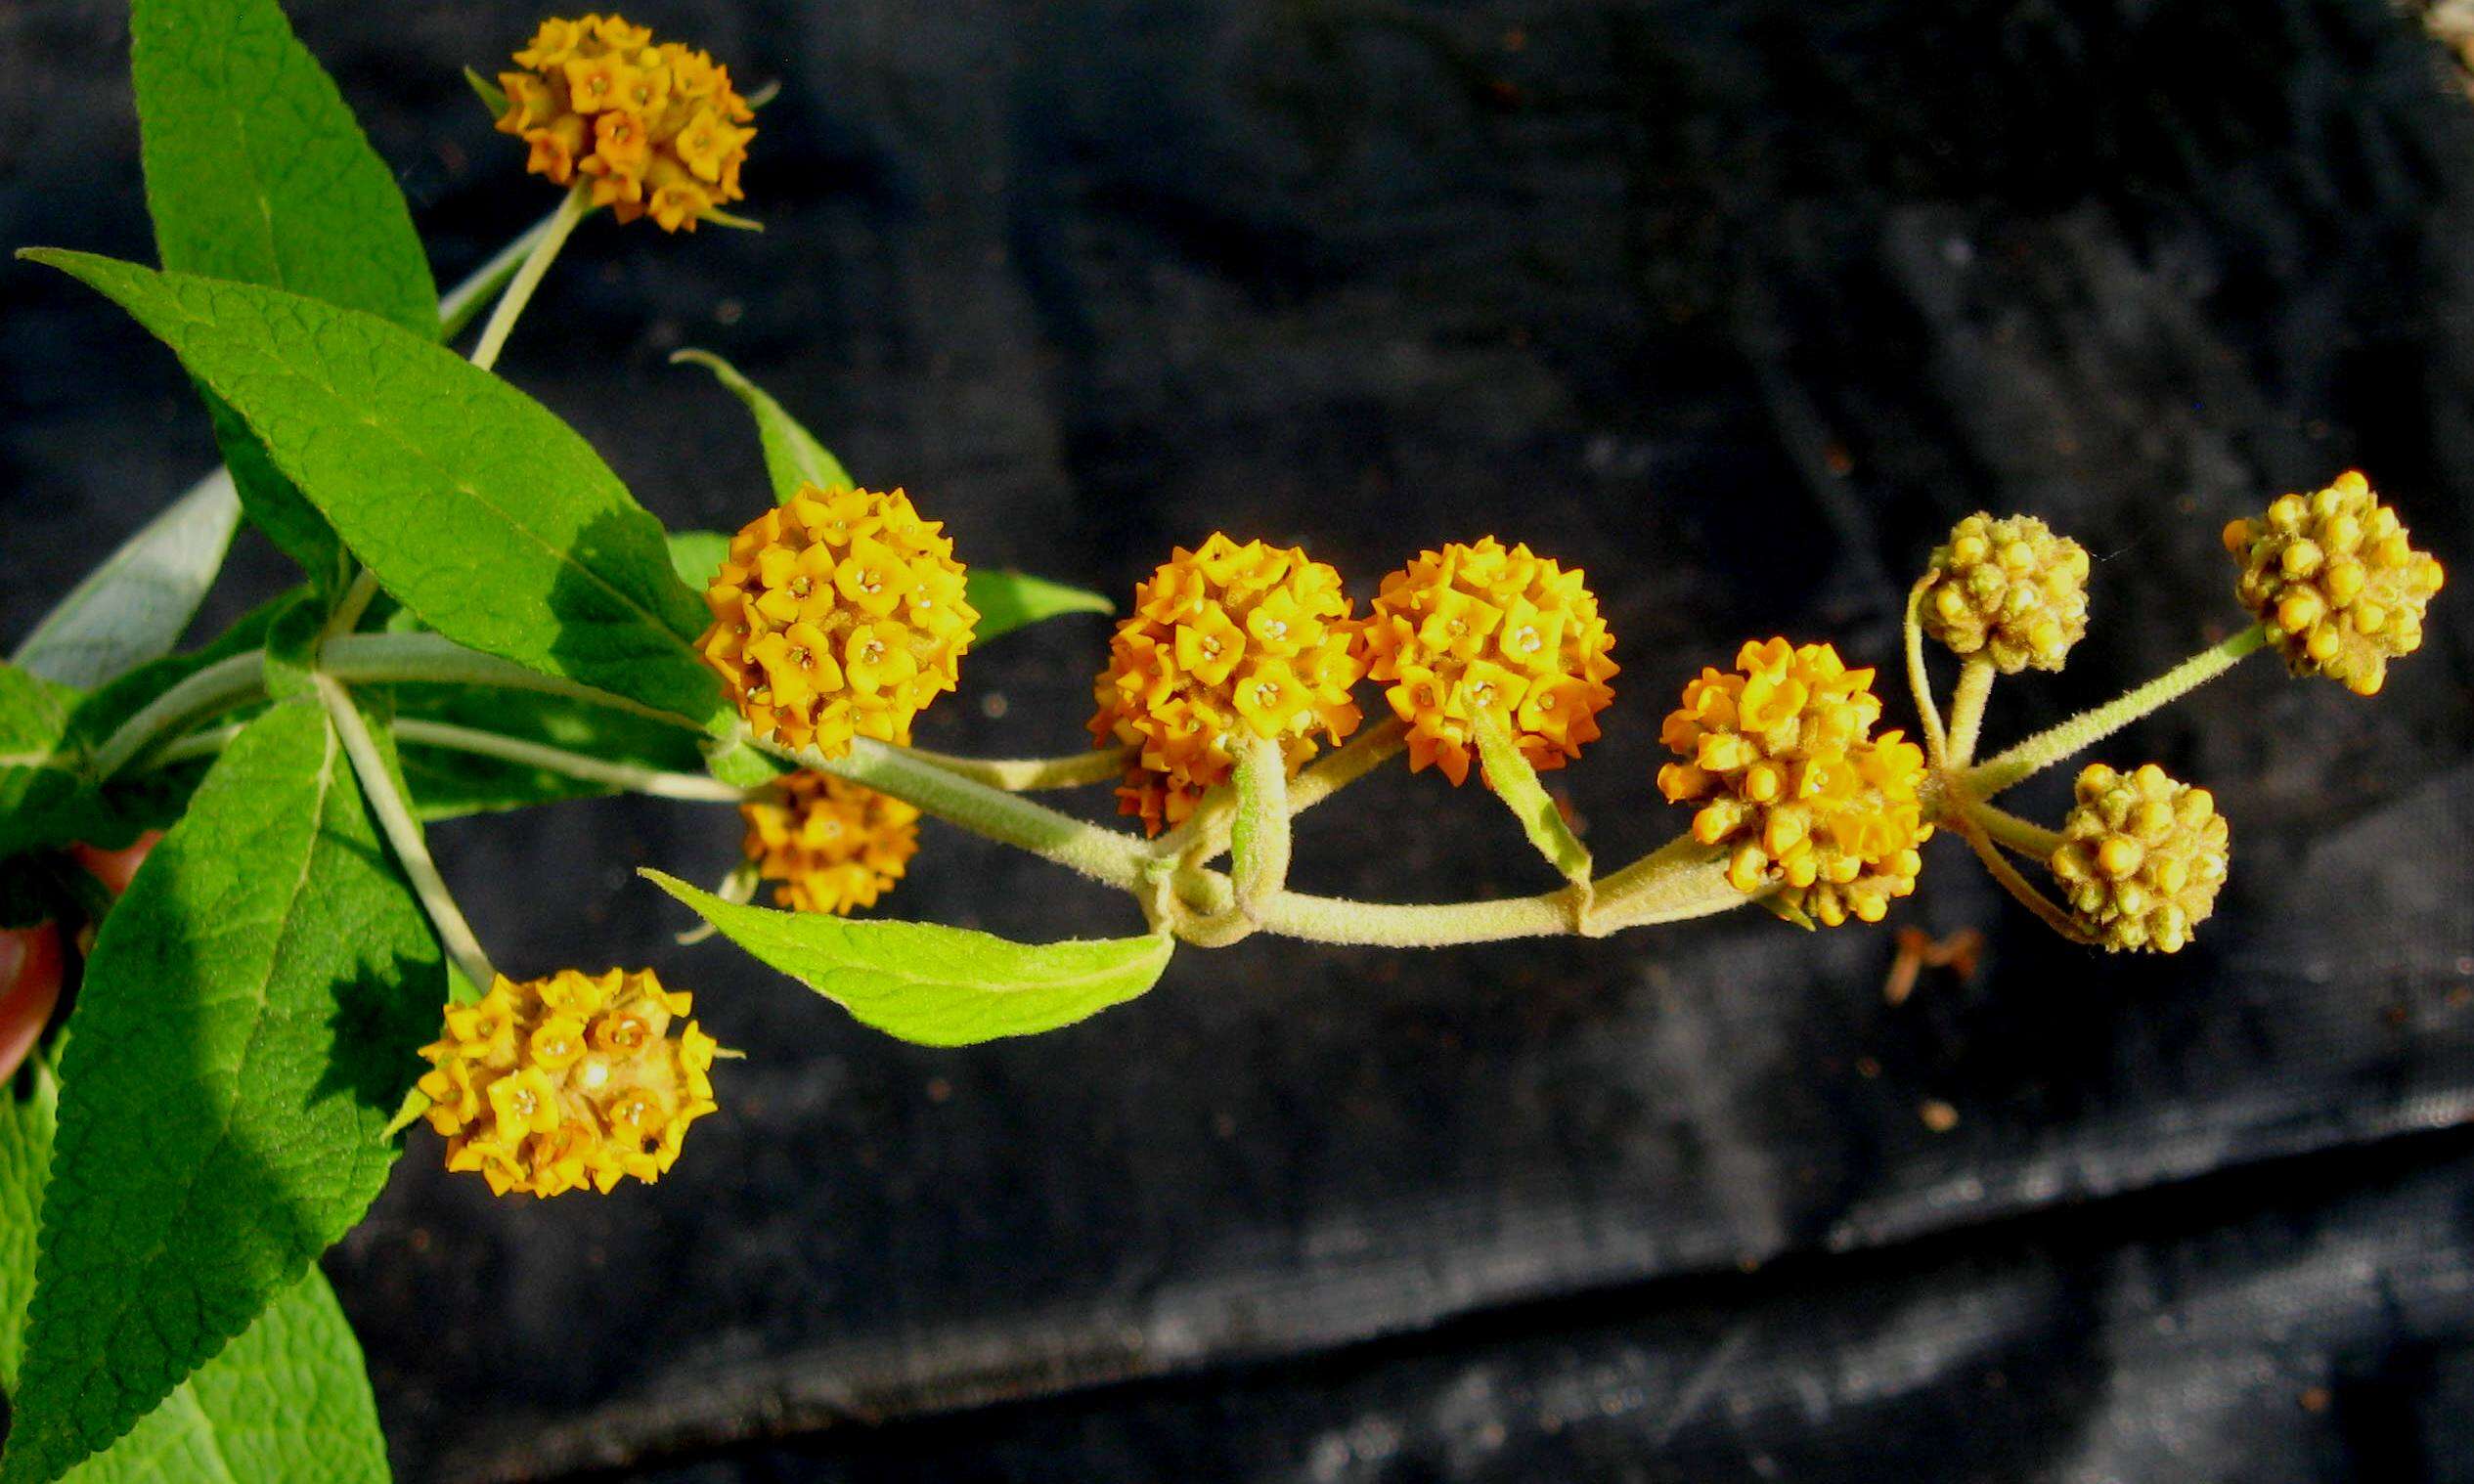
pixel 1258 836
pixel 1205 833
pixel 1332 919
pixel 537 260
pixel 360 659
pixel 1967 709
pixel 198 744
pixel 217 689
pixel 1027 775
pixel 1680 879
pixel 354 602
pixel 2024 836
pixel 1920 682
pixel 656 782
pixel 2086 729
pixel 2048 911
pixel 403 832
pixel 1104 856
pixel 460 305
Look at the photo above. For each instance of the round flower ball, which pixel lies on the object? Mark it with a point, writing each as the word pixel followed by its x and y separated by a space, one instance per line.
pixel 2141 857
pixel 1779 753
pixel 832 845
pixel 1482 631
pixel 1224 642
pixel 2009 590
pixel 2333 579
pixel 556 1084
pixel 837 616
pixel 654 130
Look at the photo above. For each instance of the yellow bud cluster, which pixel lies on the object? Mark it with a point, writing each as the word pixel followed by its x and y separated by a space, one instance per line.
pixel 836 616
pixel 657 130
pixel 2336 583
pixel 1809 800
pixel 2009 590
pixel 833 844
pixel 1475 631
pixel 2141 857
pixel 574 1080
pixel 1224 640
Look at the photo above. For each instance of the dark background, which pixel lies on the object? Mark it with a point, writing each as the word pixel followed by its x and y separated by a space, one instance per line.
pixel 1737 304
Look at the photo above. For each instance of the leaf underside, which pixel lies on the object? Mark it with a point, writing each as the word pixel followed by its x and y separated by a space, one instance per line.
pixel 933 985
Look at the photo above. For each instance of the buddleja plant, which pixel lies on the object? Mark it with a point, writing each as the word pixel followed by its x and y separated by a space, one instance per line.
pixel 487 620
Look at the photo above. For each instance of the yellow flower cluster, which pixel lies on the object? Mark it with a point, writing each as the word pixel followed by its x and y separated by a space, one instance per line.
pixel 1783 752
pixel 2008 588
pixel 2335 580
pixel 836 616
pixel 1479 630
pixel 557 1083
pixel 1223 640
pixel 657 130
pixel 2141 857
pixel 833 844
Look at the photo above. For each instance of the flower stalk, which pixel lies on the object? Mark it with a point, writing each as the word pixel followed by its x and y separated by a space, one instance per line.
pixel 1986 779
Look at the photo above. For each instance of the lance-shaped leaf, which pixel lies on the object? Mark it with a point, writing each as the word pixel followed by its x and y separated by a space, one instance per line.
pixel 1509 773
pixel 792 455
pixel 285 1403
pixel 937 985
pixel 256 171
pixel 1011 600
pixel 133 608
pixel 246 1022
pixel 486 516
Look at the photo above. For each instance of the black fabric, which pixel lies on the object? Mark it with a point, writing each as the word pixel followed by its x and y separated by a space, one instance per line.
pixel 1737 305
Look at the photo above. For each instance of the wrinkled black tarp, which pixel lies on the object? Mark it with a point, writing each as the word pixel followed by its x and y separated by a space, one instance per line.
pixel 1736 304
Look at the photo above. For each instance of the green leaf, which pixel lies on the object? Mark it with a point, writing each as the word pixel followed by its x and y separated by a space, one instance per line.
pixel 287 1402
pixel 247 1022
pixel 482 513
pixel 1011 600
pixel 44 799
pixel 696 555
pixel 256 171
pixel 1515 782
pixel 937 985
pixel 98 715
pixel 134 606
pixel 792 456
pixel 446 784
pixel 25 1149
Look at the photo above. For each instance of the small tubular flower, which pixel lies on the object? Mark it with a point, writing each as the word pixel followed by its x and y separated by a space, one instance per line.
pixel 1224 640
pixel 2008 588
pixel 833 844
pixel 1782 753
pixel 2335 582
pixel 556 1084
pixel 2141 857
pixel 1479 631
pixel 838 615
pixel 657 130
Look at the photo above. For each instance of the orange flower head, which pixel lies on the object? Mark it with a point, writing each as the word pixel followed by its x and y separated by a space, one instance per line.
pixel 1474 632
pixel 833 844
pixel 2009 590
pixel 568 1083
pixel 1781 756
pixel 1223 640
pixel 2332 577
pixel 656 129
pixel 837 616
